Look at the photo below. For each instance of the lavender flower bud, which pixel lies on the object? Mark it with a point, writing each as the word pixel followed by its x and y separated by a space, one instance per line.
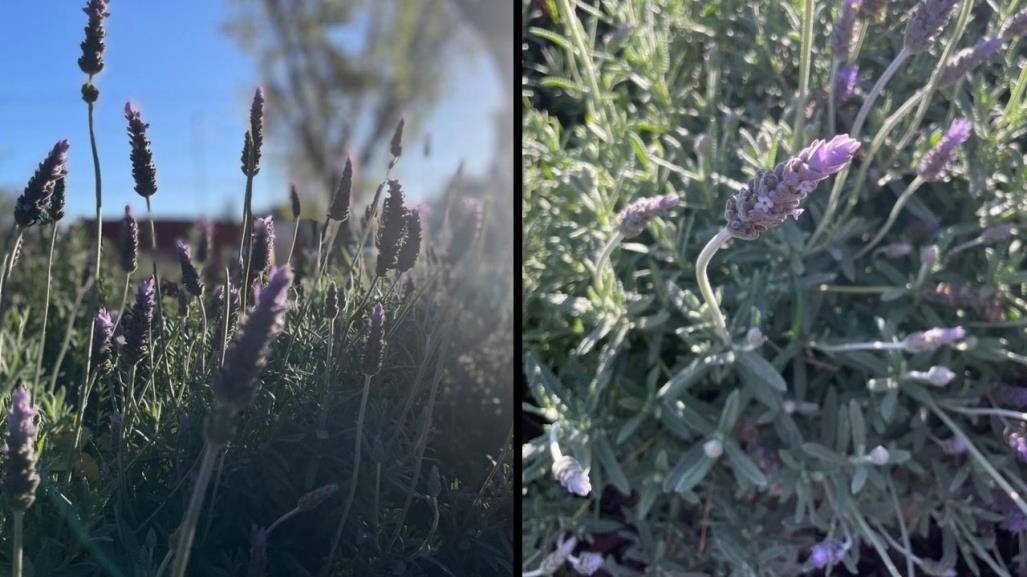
pixel 91 61
pixel 921 342
pixel 1012 396
pixel 313 499
pixel 339 209
pixel 294 200
pixel 258 554
pixel 966 60
pixel 568 471
pixel 953 446
pixel 33 205
pixel 879 456
pixel 144 172
pixel 332 298
pixel 20 476
pixel 772 196
pixel 103 332
pixel 1016 26
pixel 587 563
pixel 1015 520
pixel 205 240
pixel 926 23
pixel 929 255
pixel 136 328
pixel 552 562
pixel 190 277
pixel 374 349
pixel 713 448
pixel 1017 440
pixel 262 245
pixel 255 136
pixel 828 552
pixel 390 228
pixel 754 336
pixel 396 144
pixel 236 385
pixel 411 245
pixel 940 376
pixel 846 29
pixel 845 82
pixel 897 250
pixel 128 244
pixel 634 217
pixel 434 482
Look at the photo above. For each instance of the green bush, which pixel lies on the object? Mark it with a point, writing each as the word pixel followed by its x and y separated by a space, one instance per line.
pixel 829 429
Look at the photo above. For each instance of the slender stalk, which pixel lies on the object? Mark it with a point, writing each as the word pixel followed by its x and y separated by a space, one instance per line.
pixel 875 92
pixel 892 216
pixel 992 412
pixel 99 241
pixel 831 95
pixel 701 264
pixel 861 346
pixel 979 457
pixel 434 526
pixel 295 511
pixel 46 308
pixel 859 290
pixel 124 301
pixel 357 445
pixel 806 54
pixel 874 540
pixel 19 530
pixel 604 257
pixel 158 296
pixel 910 572
pixel 214 494
pixel 573 29
pixel 1015 97
pixel 295 235
pixel 187 531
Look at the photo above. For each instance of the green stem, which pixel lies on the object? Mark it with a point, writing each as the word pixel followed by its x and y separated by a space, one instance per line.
pixel 573 28
pixel 872 537
pixel 282 519
pixel 979 457
pixel 831 85
pixel 434 526
pixel 892 216
pixel 701 264
pixel 1015 97
pixel 902 526
pixel 187 531
pixel 875 92
pixel 357 445
pixel 295 235
pixel 806 54
pixel 19 531
pixel 604 257
pixel 46 308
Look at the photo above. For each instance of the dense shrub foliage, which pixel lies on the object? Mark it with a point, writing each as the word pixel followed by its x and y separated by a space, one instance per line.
pixel 858 411
pixel 272 408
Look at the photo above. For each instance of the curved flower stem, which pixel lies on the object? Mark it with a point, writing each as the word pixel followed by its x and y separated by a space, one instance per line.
pixel 158 297
pixel 703 279
pixel 19 530
pixel 573 27
pixel 868 102
pixel 806 54
pixel 831 85
pixel 46 308
pixel 979 457
pixel 860 346
pixel 188 529
pixel 358 443
pixel 874 540
pixel 604 256
pixel 892 216
pixel 295 511
pixel 902 527
pixel 434 526
pixel 124 302
pixel 1015 97
pixel 295 235
pixel 992 412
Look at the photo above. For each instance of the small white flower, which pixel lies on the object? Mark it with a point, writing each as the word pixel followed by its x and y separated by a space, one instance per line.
pixel 937 375
pixel 755 337
pixel 879 456
pixel 713 448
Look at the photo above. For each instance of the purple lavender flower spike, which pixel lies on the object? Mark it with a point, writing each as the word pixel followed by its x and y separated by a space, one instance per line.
pixel 128 243
pixel 1012 396
pixel 929 340
pixel 258 553
pixel 20 476
pixel 953 446
pixel 1018 442
pixel 144 172
pixel 254 136
pixel 633 218
pixel 772 196
pixel 1016 26
pixel 926 23
pixel 568 471
pixel 263 245
pixel 846 29
pixel 236 385
pixel 91 61
pixel 998 232
pixel 33 206
pixel 587 563
pixel 932 165
pixel 968 59
pixel 136 328
pixel 1015 520
pixel 374 350
pixel 845 82
pixel 828 552
pixel 205 228
pixel 190 276
pixel 103 332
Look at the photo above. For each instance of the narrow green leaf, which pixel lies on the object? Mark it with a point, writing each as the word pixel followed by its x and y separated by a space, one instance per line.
pixel 729 415
pixel 612 467
pixel 743 466
pixel 754 368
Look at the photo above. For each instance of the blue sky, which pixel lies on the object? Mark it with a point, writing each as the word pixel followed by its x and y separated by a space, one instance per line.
pixel 193 84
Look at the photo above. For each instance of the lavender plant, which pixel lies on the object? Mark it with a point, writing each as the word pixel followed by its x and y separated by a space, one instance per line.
pixel 857 410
